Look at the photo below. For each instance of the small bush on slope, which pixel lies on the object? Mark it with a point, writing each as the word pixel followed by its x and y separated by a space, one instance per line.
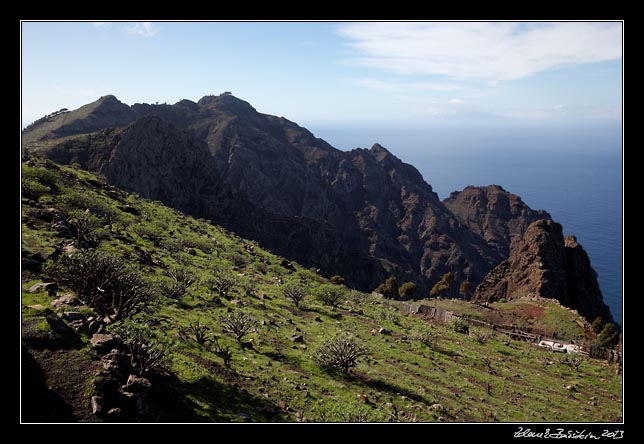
pixel 340 353
pixel 104 282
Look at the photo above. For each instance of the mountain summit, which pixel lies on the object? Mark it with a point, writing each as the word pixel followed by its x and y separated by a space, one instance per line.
pixel 362 214
pixel 106 112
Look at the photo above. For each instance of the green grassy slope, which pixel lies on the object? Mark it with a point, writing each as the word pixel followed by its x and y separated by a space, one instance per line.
pixel 454 378
pixel 47 126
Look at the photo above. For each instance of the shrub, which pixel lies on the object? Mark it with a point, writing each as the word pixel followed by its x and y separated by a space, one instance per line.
pixel 609 336
pixel 201 243
pixel 238 324
pixel 388 315
pixel 424 337
pixel 199 331
pixel 444 287
pixel 261 267
pixel 75 200
pixel 32 189
pixel 330 295
pixel 294 293
pixel 43 176
pixel 598 324
pixel 480 336
pixel 223 352
pixel 407 290
pixel 306 276
pixel 340 353
pixel 88 228
pixel 249 286
pixel 389 288
pixel 103 282
pixel 237 259
pixel 460 326
pixel 171 244
pixel 337 280
pixel 177 283
pixel 222 282
pixel 149 231
pixel 148 349
pixel 465 288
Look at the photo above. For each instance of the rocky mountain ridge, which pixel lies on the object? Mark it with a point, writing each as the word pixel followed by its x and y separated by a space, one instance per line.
pixel 363 214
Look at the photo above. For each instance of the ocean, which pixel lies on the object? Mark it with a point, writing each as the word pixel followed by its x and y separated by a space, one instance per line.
pixel 575 174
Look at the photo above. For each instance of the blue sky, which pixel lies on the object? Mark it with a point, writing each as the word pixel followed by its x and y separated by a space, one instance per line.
pixel 324 73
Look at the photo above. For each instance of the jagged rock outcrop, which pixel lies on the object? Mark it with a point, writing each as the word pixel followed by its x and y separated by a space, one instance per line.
pixel 583 293
pixel 549 266
pixel 499 217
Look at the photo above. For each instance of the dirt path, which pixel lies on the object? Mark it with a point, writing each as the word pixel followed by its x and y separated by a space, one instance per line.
pixel 55 386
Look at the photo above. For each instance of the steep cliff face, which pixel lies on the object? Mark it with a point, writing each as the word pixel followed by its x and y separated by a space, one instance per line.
pixel 549 266
pixel 154 159
pixel 583 288
pixel 403 219
pixel 499 217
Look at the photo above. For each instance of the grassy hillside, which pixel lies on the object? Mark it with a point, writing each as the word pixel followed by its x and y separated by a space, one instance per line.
pixel 417 372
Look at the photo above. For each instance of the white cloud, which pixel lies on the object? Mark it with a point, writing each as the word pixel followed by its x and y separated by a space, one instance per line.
pixel 491 52
pixel 393 86
pixel 457 101
pixel 145 29
pixel 558 107
pixel 100 24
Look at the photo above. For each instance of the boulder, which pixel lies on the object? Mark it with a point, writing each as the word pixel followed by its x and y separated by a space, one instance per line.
pixel 33 261
pixel 363 398
pixel 46 286
pixel 136 384
pixel 104 382
pixel 115 412
pixel 62 227
pixel 70 249
pixel 92 327
pixel 73 316
pixel 104 342
pixel 68 300
pixel 384 331
pixel 115 363
pixel 59 327
pixel 297 338
pixel 97 405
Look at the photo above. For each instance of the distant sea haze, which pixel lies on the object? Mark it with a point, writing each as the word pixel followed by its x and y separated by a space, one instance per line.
pixel 574 174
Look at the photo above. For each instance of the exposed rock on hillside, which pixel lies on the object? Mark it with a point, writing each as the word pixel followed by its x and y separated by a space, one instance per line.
pixel 150 157
pixel 499 217
pixel 549 266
